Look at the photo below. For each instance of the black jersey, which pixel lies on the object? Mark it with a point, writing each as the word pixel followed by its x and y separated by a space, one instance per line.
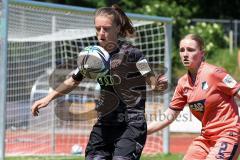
pixel 122 88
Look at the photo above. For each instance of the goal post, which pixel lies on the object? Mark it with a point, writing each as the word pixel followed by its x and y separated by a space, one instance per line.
pixel 3 71
pixel 168 65
pixel 43 43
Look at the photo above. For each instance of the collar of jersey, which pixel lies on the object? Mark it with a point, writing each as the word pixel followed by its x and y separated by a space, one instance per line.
pixel 197 76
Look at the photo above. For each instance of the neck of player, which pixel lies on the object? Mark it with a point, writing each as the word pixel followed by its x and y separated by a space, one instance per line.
pixel 193 72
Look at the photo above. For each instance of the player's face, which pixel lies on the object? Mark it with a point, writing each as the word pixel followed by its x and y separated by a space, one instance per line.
pixel 190 54
pixel 107 32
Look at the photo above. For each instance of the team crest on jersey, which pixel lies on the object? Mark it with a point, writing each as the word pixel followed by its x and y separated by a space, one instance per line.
pixel 116 60
pixel 229 81
pixel 204 85
pixel 197 105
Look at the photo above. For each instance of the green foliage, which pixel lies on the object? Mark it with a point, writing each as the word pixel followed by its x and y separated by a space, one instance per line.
pixel 218 9
pixel 82 3
pixel 222 58
pixel 162 156
pixel 168 8
pixel 212 34
pixel 198 8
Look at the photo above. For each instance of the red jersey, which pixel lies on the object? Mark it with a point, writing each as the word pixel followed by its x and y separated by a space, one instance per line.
pixel 210 99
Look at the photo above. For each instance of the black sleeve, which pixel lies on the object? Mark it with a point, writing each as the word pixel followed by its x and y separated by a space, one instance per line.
pixel 135 55
pixel 142 63
pixel 77 75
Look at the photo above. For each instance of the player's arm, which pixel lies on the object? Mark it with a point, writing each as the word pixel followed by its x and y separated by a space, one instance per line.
pixel 64 88
pixel 226 83
pixel 170 115
pixel 176 106
pixel 67 86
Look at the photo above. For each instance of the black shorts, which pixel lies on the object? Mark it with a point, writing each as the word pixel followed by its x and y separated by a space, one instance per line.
pixel 123 142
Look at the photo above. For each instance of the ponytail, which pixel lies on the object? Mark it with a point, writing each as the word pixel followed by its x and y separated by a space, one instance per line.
pixel 125 23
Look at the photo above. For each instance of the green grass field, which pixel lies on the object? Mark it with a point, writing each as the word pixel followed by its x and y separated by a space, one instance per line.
pixel 144 157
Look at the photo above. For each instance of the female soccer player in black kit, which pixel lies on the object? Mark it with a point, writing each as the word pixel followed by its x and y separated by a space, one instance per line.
pixel 120 131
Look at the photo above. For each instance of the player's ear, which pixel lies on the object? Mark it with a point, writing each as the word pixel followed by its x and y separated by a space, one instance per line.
pixel 202 52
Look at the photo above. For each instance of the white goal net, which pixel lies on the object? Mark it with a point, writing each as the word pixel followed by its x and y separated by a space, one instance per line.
pixel 43 43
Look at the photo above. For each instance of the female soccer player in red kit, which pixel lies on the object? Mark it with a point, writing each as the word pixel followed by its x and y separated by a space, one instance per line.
pixel 209 92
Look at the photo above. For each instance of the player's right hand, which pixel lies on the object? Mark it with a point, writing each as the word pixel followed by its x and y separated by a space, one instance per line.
pixel 39 104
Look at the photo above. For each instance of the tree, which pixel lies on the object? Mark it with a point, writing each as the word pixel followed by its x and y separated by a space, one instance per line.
pixel 218 9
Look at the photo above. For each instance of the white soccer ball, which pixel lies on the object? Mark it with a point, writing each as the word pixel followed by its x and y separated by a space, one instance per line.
pixel 93 62
pixel 76 149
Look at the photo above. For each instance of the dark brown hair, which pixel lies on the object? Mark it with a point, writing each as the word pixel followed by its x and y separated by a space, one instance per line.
pixel 119 17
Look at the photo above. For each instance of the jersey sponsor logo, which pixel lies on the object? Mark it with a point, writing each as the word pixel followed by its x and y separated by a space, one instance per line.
pixel 229 81
pixel 204 85
pixel 197 105
pixel 109 80
pixel 143 66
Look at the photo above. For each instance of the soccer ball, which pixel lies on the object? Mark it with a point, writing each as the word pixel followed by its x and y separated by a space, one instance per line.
pixel 93 62
pixel 76 149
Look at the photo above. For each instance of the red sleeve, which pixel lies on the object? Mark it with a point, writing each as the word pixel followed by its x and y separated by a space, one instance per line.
pixel 179 100
pixel 225 82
